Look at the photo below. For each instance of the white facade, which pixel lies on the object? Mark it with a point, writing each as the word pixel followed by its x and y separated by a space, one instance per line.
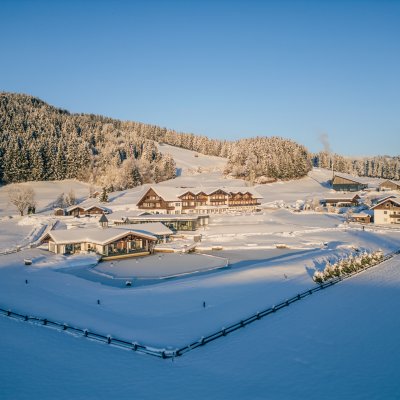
pixel 387 211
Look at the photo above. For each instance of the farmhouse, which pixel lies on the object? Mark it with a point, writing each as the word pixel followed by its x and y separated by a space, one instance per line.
pixel 198 200
pixel 347 184
pixel 387 211
pixel 80 210
pixel 109 242
pixel 181 222
pixel 389 185
pixel 342 200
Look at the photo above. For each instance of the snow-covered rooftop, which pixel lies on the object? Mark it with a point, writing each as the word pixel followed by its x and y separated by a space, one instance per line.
pixel 95 235
pixel 154 228
pixel 123 215
pixel 342 196
pixel 173 193
pixel 87 205
pixel 364 180
pixel 360 215
pixel 393 199
pixel 397 183
pixel 166 217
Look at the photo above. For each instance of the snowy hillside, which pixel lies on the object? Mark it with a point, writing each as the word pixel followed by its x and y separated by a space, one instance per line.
pixel 46 193
pixel 192 163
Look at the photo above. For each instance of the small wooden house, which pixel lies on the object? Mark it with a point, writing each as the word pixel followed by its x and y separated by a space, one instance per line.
pixel 361 217
pixel 389 185
pixel 347 184
pixel 79 210
pixel 59 212
pixel 342 200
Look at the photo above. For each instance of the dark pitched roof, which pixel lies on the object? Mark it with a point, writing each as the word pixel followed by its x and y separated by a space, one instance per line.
pixel 103 218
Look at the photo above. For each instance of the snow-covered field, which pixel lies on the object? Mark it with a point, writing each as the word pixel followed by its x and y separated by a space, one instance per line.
pixel 339 343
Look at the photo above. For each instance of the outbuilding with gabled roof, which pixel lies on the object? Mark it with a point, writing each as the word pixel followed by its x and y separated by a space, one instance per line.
pixel 346 183
pixel 389 185
pixel 110 242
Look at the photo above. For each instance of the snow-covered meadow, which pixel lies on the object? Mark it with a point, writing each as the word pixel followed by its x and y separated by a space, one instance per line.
pixel 315 349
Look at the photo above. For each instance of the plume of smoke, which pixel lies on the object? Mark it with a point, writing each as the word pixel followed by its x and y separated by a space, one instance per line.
pixel 324 139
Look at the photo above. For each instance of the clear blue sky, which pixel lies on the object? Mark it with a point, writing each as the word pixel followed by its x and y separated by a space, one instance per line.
pixel 225 69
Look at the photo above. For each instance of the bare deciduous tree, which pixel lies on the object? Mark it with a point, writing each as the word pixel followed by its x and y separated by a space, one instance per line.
pixel 70 198
pixel 22 198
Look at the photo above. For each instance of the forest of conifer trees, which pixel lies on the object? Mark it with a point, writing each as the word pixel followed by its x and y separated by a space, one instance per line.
pixel 41 142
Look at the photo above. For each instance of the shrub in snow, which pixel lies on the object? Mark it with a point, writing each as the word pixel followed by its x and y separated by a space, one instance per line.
pixel 318 277
pixel 328 271
pixel 348 266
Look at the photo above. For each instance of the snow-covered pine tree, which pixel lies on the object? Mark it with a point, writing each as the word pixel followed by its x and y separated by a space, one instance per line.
pixel 104 196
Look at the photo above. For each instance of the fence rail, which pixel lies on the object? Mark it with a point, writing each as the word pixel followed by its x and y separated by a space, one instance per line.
pixel 163 353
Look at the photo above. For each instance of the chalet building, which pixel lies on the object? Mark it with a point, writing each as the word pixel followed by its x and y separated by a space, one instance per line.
pixel 181 222
pixel 346 184
pixel 387 211
pixel 362 218
pixel 389 185
pixel 110 242
pixel 81 211
pixel 167 200
pixel 342 200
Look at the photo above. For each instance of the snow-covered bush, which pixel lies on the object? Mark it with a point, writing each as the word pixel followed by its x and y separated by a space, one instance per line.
pixel 347 266
pixel 318 277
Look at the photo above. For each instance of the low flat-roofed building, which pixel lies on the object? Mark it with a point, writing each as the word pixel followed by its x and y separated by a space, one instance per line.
pixel 175 222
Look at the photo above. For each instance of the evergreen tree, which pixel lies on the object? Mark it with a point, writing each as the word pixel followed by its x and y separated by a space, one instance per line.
pixel 104 196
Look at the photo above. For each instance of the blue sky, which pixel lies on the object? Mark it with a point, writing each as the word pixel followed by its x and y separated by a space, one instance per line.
pixel 225 69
